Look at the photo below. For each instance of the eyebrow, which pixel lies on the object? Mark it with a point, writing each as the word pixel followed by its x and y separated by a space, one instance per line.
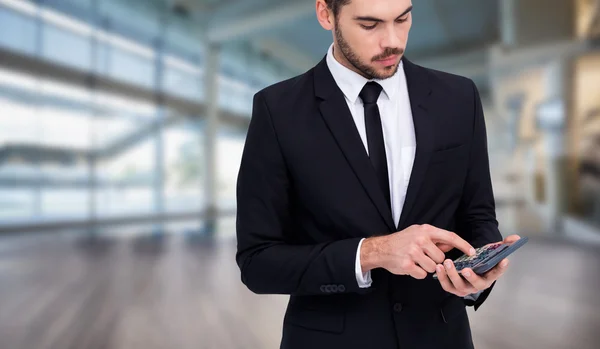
pixel 373 19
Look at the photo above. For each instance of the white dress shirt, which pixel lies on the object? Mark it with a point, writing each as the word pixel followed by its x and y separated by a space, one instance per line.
pixel 398 135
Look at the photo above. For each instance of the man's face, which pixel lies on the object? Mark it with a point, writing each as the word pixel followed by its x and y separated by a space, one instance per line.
pixel 370 36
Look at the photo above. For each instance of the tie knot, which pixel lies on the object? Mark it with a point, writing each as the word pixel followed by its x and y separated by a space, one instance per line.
pixel 370 93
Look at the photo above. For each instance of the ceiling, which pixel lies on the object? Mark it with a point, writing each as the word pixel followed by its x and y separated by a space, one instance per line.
pixel 439 26
pixel 446 35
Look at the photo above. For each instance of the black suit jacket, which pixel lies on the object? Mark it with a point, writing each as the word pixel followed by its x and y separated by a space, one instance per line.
pixel 307 194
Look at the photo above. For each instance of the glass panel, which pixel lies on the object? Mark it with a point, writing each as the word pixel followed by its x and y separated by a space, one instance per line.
pixel 109 129
pixel 57 42
pixel 235 96
pixel 18 31
pixel 65 204
pixel 128 178
pixel 116 201
pixel 182 79
pixel 65 128
pixel 184 160
pixel 178 40
pixel 131 67
pixel 229 156
pixel 124 106
pixel 15 204
pixel 140 17
pixel 87 4
pixel 17 123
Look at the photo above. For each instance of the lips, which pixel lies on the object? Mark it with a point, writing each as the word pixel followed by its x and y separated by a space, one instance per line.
pixel 388 61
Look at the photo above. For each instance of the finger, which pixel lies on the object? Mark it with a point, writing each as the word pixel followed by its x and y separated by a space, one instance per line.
pixel 425 262
pixel 435 253
pixel 477 281
pixel 444 247
pixel 496 272
pixel 444 280
pixel 452 239
pixel 457 281
pixel 417 272
pixel 512 238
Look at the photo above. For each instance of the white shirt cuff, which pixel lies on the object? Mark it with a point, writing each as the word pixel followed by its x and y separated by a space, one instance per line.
pixel 363 279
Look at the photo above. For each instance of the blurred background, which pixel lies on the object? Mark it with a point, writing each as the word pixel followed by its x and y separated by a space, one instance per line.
pixel 122 125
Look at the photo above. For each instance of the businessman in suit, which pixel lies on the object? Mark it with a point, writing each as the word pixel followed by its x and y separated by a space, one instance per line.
pixel 359 180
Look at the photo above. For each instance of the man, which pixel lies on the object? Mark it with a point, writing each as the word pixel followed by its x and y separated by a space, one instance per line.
pixel 358 179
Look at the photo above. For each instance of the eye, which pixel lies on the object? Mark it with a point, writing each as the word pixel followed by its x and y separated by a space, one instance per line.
pixel 369 27
pixel 402 20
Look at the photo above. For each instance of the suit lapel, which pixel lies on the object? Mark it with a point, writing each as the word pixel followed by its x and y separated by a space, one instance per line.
pixel 419 91
pixel 338 118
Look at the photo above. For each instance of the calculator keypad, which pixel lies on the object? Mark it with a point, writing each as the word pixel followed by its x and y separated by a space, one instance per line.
pixel 481 254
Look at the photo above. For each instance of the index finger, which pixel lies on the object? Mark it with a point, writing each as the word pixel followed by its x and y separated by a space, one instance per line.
pixel 452 239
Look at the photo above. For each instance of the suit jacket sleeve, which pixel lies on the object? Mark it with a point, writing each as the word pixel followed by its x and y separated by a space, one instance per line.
pixel 477 213
pixel 270 260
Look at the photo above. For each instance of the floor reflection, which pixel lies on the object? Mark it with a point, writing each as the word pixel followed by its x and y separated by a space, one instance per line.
pixel 180 291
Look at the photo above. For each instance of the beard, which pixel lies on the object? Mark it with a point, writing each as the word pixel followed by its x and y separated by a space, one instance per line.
pixel 366 70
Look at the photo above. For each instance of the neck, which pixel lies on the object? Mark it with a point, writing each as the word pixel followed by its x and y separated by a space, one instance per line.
pixel 338 56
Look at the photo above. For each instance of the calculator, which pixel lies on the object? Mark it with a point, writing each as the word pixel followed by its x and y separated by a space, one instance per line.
pixel 487 257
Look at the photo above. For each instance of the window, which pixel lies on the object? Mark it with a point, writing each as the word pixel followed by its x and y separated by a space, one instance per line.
pixel 182 79
pixel 15 204
pixel 18 31
pixel 57 42
pixel 127 179
pixel 131 67
pixel 229 156
pixel 184 168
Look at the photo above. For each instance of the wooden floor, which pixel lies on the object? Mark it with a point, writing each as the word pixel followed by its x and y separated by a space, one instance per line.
pixel 66 292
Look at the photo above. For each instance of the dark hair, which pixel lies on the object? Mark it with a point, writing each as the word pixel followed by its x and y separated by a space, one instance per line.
pixel 336 5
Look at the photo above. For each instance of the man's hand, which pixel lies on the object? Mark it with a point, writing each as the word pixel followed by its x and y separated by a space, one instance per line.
pixel 453 283
pixel 413 251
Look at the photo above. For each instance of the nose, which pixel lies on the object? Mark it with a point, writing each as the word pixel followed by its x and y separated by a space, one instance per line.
pixel 390 37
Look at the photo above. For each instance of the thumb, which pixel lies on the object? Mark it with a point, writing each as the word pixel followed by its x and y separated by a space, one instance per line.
pixel 512 238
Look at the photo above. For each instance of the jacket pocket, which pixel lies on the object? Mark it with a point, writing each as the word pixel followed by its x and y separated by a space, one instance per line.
pixel 448 154
pixel 444 154
pixel 320 320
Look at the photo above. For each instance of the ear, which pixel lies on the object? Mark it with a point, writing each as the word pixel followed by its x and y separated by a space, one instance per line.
pixel 324 15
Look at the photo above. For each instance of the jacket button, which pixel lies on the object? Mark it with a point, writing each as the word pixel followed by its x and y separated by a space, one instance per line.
pixel 398 307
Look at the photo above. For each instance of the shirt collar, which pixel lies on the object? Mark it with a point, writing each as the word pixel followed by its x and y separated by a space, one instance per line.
pixel 351 83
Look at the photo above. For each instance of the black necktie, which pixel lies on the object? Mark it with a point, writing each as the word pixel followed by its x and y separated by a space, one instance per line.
pixel 369 95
